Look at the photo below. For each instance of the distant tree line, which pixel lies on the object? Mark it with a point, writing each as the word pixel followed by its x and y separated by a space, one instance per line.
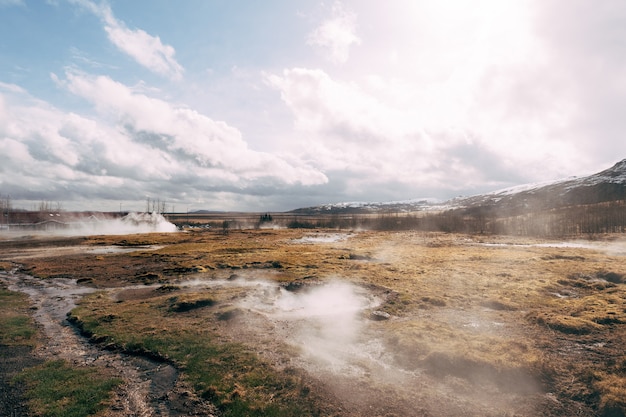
pixel 590 219
pixel 565 221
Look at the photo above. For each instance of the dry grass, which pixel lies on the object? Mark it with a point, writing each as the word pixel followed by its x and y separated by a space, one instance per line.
pixel 545 325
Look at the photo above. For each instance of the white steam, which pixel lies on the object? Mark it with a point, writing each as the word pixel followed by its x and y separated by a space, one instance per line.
pixel 325 322
pixel 132 223
pixel 142 223
pixel 332 320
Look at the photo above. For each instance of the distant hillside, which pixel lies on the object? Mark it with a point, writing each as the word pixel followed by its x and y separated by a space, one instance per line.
pixel 568 207
pixel 605 186
pixel 608 185
pixel 367 207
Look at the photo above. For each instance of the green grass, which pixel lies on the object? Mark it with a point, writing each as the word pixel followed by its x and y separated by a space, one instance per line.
pixel 56 389
pixel 16 326
pixel 17 330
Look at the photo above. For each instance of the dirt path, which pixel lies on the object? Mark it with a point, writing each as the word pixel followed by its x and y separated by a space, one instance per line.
pixel 149 389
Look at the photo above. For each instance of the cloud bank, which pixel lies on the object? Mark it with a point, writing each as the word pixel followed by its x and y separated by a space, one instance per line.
pixel 135 146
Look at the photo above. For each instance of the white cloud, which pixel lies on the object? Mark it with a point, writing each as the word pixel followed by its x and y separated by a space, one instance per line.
pixel 9 3
pixel 50 150
pixel 138 145
pixel 344 127
pixel 440 139
pixel 208 144
pixel 146 49
pixel 337 34
pixel 466 96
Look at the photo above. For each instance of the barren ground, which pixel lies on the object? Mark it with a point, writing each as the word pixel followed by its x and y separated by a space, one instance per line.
pixel 365 323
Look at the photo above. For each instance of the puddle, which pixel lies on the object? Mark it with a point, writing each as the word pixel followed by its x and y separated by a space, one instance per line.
pixel 323 238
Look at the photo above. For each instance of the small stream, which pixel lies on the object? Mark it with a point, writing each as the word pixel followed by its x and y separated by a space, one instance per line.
pixel 141 394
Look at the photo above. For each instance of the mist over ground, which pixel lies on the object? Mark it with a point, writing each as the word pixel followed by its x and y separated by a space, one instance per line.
pixel 76 225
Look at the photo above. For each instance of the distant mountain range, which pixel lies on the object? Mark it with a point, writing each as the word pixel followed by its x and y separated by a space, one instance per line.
pixel 605 186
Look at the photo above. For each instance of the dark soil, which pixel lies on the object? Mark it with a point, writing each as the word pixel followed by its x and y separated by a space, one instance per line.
pixel 13 359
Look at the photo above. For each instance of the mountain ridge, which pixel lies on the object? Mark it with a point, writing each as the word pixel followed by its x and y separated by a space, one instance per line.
pixel 604 186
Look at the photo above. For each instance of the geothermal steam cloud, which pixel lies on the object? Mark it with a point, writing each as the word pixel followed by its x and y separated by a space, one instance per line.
pixel 132 223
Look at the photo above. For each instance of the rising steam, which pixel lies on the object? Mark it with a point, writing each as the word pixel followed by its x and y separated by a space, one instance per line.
pixel 143 223
pixel 132 223
pixel 324 321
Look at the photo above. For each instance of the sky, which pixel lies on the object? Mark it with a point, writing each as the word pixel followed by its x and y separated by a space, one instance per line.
pixel 280 104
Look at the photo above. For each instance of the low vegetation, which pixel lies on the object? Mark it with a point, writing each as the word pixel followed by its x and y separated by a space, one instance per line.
pixel 52 388
pixel 56 389
pixel 17 327
pixel 473 325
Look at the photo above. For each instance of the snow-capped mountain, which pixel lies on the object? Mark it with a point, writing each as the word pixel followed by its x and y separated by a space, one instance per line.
pixel 361 207
pixel 604 186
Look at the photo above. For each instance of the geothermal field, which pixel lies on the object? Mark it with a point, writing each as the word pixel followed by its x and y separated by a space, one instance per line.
pixel 291 322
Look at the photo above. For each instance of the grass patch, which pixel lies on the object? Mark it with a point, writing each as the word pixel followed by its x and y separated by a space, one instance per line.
pixel 57 390
pixel 441 349
pixel 613 277
pixel 565 324
pixel 613 394
pixel 179 305
pixel 16 326
pixel 481 371
pixel 17 330
pixel 229 375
